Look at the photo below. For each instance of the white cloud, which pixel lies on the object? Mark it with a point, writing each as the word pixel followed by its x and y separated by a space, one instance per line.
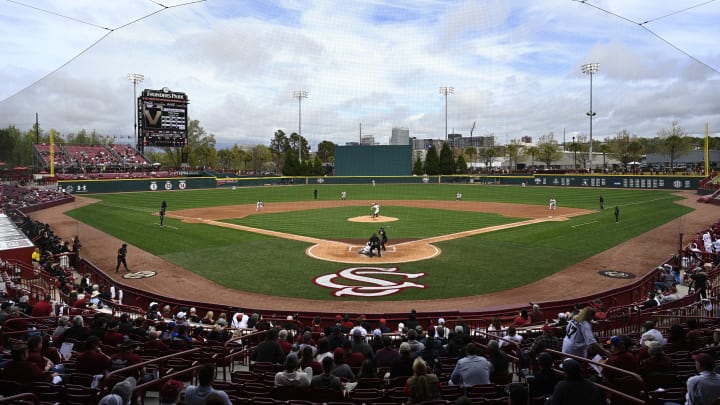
pixel 514 66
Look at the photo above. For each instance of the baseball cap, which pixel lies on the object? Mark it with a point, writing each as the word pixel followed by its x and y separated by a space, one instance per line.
pixel 617 340
pixel 705 359
pixel 441 321
pixel 125 389
pixel 571 367
pixel 170 391
pixel 339 353
pixel 111 399
pixel 357 332
pixel 547 327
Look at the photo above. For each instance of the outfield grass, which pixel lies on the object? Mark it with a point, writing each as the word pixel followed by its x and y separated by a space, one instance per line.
pixel 469 266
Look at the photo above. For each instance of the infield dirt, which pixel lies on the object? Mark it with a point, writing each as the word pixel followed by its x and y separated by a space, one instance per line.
pixel 639 256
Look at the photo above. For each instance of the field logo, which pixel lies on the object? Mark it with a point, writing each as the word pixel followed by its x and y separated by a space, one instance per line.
pixel 140 274
pixel 374 287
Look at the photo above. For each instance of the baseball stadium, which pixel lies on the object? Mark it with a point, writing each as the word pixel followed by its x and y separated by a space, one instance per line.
pixel 467 249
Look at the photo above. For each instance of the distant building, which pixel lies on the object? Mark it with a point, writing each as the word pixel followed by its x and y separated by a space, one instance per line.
pixel 367 140
pixel 400 136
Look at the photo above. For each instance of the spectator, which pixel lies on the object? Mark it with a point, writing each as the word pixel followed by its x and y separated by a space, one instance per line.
pixel 22 370
pixel 283 341
pixel 402 367
pixel 307 360
pixel 545 379
pixel 269 351
pixel 498 359
pixel 323 350
pixel 575 389
pixel 517 394
pixel 340 369
pixel 386 356
pixel 197 395
pixel 657 363
pixel 423 385
pixel 368 369
pixel 651 331
pixel 415 345
pixel 92 360
pixel 62 326
pixel 326 380
pixel 620 358
pixel 77 331
pixel 578 335
pixel 545 341
pixel 537 315
pixel 170 392
pixel 522 319
pixel 291 376
pixel 694 335
pixel 511 337
pixel 121 393
pixel 703 388
pixel 360 346
pixel 43 308
pixel 471 369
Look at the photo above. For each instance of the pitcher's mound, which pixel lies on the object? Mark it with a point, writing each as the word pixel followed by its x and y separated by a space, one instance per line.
pixel 369 218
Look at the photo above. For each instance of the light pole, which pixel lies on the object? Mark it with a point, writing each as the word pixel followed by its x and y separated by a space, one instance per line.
pixel 446 90
pixel 300 95
pixel 135 78
pixel 574 154
pixel 590 69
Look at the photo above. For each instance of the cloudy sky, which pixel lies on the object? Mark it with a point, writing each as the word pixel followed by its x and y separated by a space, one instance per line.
pixel 514 66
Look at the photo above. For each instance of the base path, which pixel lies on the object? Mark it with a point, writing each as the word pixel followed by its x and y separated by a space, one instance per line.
pixel 639 255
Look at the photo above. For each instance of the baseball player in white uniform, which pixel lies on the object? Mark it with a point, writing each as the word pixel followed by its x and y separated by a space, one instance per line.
pixel 376 210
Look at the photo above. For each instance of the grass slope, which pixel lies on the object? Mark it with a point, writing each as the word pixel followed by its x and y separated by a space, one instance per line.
pixel 468 266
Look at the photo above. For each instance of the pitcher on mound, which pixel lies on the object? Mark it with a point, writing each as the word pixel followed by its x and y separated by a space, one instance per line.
pixel 375 210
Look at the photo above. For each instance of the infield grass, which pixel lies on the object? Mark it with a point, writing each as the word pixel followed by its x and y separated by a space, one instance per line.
pixel 468 266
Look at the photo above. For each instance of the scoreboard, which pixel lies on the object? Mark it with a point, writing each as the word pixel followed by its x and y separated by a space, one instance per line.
pixel 162 118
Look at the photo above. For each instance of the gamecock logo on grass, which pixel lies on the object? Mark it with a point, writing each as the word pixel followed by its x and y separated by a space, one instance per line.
pixel 365 285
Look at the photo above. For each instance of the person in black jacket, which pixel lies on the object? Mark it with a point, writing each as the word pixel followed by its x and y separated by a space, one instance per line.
pixel 383 238
pixel 269 351
pixel 121 255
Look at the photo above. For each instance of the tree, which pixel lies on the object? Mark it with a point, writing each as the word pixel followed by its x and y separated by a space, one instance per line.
pixel 432 162
pixel 674 142
pixel 548 150
pixel 326 151
pixel 488 155
pixel 604 148
pixel 512 150
pixel 260 155
pixel 531 151
pixel 460 165
pixel 301 144
pixel 418 167
pixel 447 161
pixel 471 152
pixel 625 147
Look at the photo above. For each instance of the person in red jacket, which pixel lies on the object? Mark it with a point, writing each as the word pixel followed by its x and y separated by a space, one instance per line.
pixel 93 360
pixel 42 308
pixel 22 370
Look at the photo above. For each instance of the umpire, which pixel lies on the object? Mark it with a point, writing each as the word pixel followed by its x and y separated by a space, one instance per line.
pixel 121 255
pixel 383 238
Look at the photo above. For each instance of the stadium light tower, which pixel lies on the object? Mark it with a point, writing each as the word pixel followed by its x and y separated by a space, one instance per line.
pixel 300 95
pixel 590 69
pixel 135 78
pixel 446 90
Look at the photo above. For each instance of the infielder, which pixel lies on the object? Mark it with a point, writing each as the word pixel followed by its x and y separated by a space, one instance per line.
pixel 553 203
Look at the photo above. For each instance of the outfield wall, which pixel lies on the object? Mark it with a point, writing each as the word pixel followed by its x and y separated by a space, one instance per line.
pixel 130 185
pixel 554 180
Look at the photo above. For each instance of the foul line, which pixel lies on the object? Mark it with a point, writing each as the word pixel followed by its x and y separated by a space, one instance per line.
pixel 583 224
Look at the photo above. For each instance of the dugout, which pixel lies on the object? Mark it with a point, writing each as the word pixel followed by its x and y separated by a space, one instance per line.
pixel 380 160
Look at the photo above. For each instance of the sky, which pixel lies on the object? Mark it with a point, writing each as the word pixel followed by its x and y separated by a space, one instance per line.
pixel 367 66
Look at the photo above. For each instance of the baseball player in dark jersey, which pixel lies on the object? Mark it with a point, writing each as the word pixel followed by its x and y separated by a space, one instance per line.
pixel 383 238
pixel 122 253
pixel 163 208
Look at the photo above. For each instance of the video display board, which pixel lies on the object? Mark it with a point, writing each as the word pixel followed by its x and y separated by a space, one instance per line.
pixel 162 118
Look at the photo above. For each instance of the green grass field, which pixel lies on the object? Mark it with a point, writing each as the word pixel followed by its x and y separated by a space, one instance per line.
pixel 469 266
